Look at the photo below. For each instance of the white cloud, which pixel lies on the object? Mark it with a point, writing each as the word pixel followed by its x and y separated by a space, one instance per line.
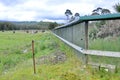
pixel 46 9
pixel 81 8
pixel 2 7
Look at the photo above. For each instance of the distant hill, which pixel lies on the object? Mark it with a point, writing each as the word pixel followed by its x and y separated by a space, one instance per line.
pixel 28 25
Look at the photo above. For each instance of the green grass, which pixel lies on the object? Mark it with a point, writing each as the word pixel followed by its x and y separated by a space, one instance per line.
pixel 111 44
pixel 20 67
pixel 12 46
pixel 108 44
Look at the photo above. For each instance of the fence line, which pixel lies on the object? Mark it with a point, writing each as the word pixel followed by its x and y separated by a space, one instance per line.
pixel 75 34
pixel 90 52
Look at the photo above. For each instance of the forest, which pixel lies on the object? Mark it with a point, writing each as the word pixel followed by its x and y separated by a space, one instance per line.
pixel 27 25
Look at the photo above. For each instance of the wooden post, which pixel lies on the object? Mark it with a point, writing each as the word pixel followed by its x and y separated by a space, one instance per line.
pixel 33 56
pixel 86 41
pixel 86 35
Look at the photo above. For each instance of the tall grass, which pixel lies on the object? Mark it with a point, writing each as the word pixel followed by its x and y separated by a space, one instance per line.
pixel 12 47
pixel 107 44
pixel 111 44
pixel 71 69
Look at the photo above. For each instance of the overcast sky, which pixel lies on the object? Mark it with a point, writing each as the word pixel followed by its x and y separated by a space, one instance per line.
pixel 49 10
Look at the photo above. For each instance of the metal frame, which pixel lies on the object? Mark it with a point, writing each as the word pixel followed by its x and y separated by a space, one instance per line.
pixel 86 19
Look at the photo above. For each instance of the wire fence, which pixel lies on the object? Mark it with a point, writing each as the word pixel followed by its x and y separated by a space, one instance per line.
pixel 75 34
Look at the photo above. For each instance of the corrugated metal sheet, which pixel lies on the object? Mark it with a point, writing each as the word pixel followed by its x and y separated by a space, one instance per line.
pixel 92 18
pixel 100 17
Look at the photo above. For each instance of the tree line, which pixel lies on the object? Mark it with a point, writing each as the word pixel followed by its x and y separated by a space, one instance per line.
pixel 27 25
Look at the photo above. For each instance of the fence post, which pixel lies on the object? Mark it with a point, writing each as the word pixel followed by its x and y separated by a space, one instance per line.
pixel 86 41
pixel 33 57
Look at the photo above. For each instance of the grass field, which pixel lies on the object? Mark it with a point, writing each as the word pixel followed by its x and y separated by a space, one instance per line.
pixel 108 44
pixel 15 64
pixel 12 47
